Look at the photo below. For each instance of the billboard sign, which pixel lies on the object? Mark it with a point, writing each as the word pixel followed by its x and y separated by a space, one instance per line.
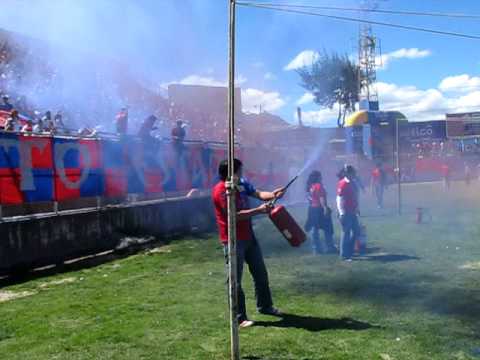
pixel 463 125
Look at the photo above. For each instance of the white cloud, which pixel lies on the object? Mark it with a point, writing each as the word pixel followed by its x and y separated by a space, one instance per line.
pixel 253 99
pixel 205 81
pixel 305 58
pixel 417 104
pixel 306 98
pixel 403 53
pixel 460 83
pixel 200 80
pixel 467 102
pixel 258 64
pixel 240 80
pixel 322 117
pixel 429 104
pixel 269 76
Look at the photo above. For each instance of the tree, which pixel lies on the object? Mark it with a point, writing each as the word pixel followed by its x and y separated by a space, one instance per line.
pixel 332 79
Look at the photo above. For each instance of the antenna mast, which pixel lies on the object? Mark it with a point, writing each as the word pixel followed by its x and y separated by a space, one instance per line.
pixel 368 51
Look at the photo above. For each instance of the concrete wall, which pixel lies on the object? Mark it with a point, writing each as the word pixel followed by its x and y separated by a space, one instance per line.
pixel 43 239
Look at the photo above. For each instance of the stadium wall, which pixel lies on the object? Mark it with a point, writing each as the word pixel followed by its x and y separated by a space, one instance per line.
pixel 40 240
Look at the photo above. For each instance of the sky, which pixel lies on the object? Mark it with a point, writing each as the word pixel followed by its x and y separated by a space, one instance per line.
pixel 421 74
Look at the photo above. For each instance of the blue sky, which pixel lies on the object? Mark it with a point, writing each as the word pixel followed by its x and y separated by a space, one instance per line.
pixel 425 75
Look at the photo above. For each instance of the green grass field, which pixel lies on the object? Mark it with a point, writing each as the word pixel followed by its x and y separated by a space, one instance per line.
pixel 415 296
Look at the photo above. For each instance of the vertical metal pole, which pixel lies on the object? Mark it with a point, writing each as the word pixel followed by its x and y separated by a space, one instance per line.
pixel 399 174
pixel 231 192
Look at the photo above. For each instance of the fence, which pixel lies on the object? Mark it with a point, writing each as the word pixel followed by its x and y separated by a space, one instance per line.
pixel 58 169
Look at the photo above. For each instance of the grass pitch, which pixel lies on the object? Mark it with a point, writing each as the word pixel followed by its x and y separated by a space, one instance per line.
pixel 416 295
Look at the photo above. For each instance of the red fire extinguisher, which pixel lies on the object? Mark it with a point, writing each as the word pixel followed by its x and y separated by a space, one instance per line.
pixel 423 216
pixel 419 217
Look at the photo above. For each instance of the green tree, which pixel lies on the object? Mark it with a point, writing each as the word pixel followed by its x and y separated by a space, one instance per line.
pixel 332 79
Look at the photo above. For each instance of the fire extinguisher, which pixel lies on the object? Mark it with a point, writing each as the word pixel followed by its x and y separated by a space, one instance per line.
pixel 423 216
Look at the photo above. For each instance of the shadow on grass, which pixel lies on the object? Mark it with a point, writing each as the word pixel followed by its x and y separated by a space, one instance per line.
pixel 311 323
pixel 22 275
pixel 386 258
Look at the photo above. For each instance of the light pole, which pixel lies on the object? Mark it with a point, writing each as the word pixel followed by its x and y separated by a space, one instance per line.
pixel 231 192
pixel 397 165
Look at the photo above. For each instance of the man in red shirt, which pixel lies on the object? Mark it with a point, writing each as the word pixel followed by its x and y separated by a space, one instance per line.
pixel 319 214
pixel 445 170
pixel 347 206
pixel 379 181
pixel 248 248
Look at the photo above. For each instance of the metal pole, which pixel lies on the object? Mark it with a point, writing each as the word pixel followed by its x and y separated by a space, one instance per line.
pixel 399 175
pixel 231 193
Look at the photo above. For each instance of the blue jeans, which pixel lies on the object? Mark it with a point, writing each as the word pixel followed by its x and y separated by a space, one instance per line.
pixel 249 252
pixel 379 188
pixel 350 232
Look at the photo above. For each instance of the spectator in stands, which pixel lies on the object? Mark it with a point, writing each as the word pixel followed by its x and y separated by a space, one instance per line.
pixel 87 131
pixel 178 135
pixel 48 124
pixel 38 128
pixel 6 105
pixel 347 206
pixel 147 127
pixel 248 248
pixel 121 121
pixel 442 148
pixel 58 121
pixel 178 132
pixel 12 122
pixel 28 127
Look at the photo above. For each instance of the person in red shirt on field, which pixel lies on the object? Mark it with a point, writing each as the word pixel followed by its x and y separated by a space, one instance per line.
pixel 319 214
pixel 248 248
pixel 378 184
pixel 347 206
pixel 467 171
pixel 445 171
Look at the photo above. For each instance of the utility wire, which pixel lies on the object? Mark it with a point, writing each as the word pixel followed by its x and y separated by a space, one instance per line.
pixel 343 18
pixel 393 12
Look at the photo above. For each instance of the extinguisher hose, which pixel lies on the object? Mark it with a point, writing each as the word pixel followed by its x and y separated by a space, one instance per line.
pixel 274 200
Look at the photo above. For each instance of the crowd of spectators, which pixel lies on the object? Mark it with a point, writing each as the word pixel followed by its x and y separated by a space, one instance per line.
pixel 31 84
pixel 433 149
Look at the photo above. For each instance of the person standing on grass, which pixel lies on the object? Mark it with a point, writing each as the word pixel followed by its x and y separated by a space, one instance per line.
pixel 378 184
pixel 248 248
pixel 319 214
pixel 467 171
pixel 347 206
pixel 445 171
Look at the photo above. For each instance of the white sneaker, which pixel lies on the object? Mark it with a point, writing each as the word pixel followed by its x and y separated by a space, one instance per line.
pixel 246 323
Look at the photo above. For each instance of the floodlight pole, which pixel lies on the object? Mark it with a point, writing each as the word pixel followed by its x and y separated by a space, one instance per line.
pixel 231 192
pixel 399 174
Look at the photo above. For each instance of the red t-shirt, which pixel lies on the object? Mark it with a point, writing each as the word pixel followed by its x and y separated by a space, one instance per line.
pixel 346 190
pixel 178 133
pixel 316 192
pixel 378 176
pixel 445 170
pixel 219 196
